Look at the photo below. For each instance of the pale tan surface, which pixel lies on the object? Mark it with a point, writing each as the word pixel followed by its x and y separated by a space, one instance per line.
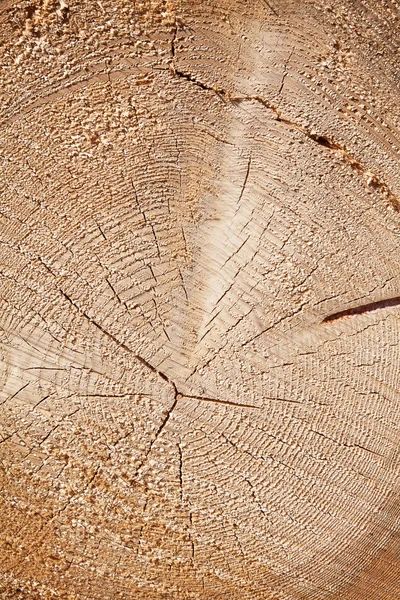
pixel 187 191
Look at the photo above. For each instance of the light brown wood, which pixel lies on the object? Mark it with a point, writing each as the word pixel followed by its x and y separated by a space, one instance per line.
pixel 199 326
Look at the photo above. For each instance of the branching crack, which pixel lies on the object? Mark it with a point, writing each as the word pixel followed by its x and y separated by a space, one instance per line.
pixel 145 363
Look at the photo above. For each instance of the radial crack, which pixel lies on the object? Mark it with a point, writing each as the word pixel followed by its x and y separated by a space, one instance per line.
pixel 219 91
pixel 271 8
pixel 180 472
pixel 341 151
pixel 15 394
pixel 245 180
pixel 217 401
pixel 365 308
pixel 159 430
pixel 370 177
pixel 117 341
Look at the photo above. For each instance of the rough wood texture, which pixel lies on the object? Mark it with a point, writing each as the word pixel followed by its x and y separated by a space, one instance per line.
pixel 200 281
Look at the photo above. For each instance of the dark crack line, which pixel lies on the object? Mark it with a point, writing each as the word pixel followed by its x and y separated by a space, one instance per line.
pixel 163 376
pixel 15 394
pixel 245 180
pixel 145 363
pixel 180 472
pixel 232 255
pixel 114 292
pixel 101 232
pixel 188 77
pixel 363 448
pixel 39 403
pixel 271 8
pixel 140 359
pixel 345 444
pixel 48 435
pixel 341 152
pixel 361 310
pixel 159 431
pixel 173 40
pixel 216 401
pixel 285 72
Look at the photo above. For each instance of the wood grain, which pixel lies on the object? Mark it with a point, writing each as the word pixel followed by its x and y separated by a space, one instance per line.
pixel 199 325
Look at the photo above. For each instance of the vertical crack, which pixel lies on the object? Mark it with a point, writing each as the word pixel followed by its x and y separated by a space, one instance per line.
pixel 285 72
pixel 173 40
pixel 180 471
pixel 245 179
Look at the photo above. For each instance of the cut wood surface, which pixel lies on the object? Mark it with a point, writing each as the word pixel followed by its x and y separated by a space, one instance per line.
pixel 200 300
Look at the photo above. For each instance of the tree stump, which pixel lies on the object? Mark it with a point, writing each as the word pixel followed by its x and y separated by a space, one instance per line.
pixel 200 281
